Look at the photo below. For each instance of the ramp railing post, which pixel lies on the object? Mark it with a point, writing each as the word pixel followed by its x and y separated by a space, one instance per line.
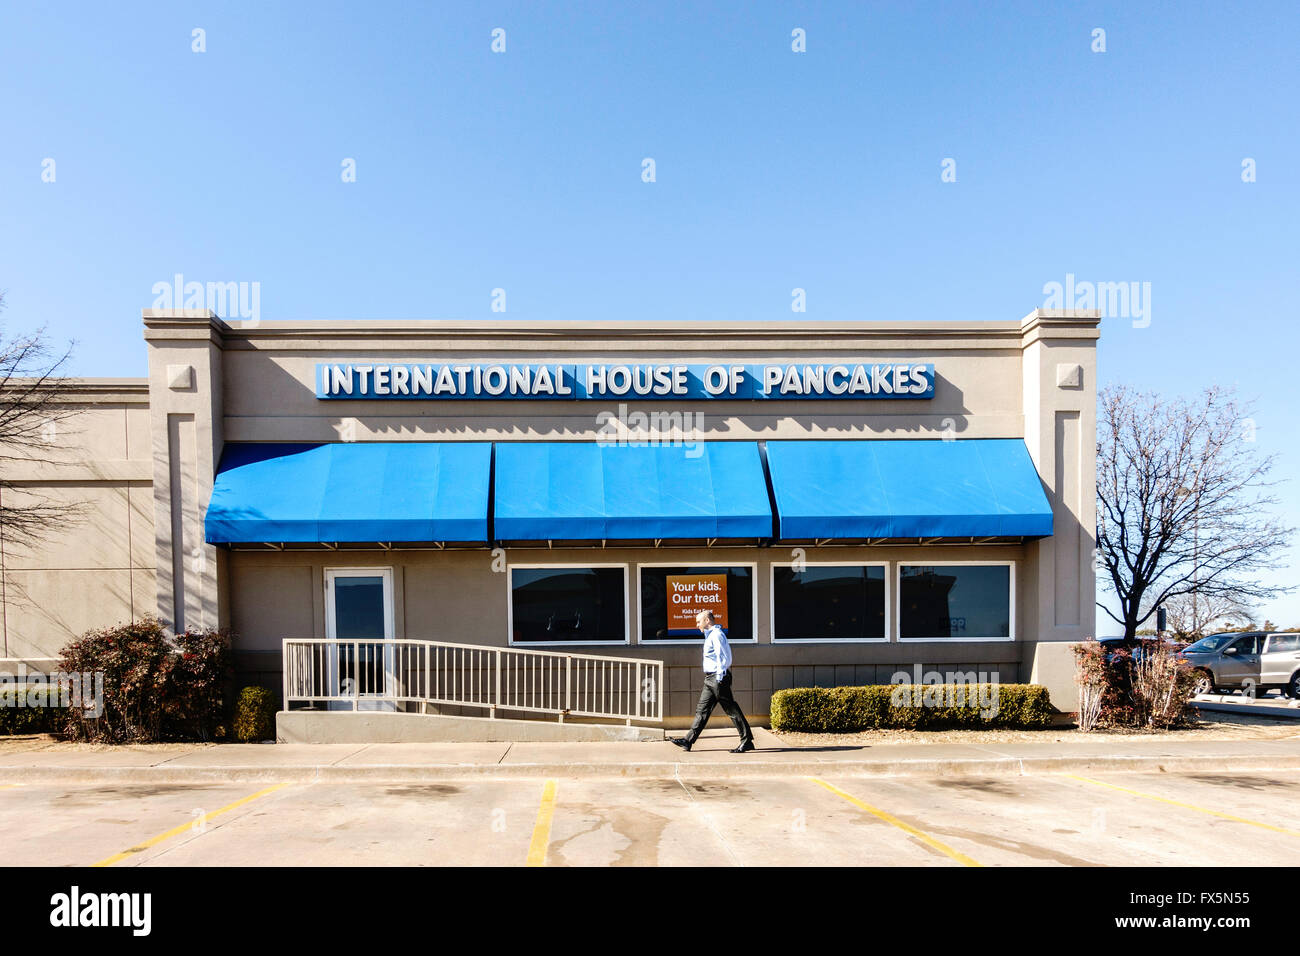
pixel 638 690
pixel 496 696
pixel 659 692
pixel 428 674
pixel 568 681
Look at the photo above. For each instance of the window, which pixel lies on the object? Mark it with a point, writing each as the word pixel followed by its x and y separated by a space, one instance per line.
pixel 568 605
pixel 1248 645
pixel 842 602
pixel 1214 642
pixel 955 601
pixel 1278 643
pixel 671 596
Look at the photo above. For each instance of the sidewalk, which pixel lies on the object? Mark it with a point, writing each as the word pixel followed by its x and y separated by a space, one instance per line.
pixel 413 763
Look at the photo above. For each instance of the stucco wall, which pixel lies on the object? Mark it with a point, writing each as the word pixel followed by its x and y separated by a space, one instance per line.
pixel 456 596
pixel 95 568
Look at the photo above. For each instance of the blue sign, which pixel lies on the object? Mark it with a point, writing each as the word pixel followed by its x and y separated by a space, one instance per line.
pixel 356 380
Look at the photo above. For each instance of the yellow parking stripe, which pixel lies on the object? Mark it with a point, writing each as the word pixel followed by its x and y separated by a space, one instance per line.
pixel 894 821
pixel 186 827
pixel 542 828
pixel 1185 806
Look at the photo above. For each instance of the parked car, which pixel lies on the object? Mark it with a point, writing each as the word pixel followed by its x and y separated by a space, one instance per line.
pixel 1256 660
pixel 1133 645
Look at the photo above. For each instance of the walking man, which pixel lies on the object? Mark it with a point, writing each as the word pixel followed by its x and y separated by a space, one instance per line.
pixel 717 687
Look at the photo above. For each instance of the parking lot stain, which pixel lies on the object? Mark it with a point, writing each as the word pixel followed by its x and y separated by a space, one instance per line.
pixel 659 785
pixel 97 795
pixel 1020 847
pixel 423 790
pixel 728 789
pixel 639 830
pixel 1243 783
pixel 982 784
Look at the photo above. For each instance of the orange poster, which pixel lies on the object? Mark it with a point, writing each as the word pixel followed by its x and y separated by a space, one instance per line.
pixel 688 594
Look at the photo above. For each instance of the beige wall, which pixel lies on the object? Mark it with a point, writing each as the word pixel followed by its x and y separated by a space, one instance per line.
pixel 95 568
pixel 271 395
pixel 456 596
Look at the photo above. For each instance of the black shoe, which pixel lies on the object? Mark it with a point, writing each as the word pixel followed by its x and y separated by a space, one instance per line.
pixel 745 747
pixel 680 742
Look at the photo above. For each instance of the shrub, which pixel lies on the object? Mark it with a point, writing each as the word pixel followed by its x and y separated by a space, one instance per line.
pixel 155 687
pixel 1163 687
pixel 1090 664
pixel 45 717
pixel 1142 686
pixel 911 706
pixel 254 715
pixel 199 688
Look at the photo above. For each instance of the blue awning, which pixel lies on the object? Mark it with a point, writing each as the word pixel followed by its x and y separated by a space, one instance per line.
pixel 351 492
pixel 585 491
pixel 974 488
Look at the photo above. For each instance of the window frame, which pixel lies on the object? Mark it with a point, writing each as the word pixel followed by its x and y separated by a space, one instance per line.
pixel 552 566
pixel 687 641
pixel 1011 602
pixel 888 637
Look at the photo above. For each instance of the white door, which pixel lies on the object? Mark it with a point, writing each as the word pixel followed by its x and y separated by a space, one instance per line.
pixel 1281 659
pixel 359 608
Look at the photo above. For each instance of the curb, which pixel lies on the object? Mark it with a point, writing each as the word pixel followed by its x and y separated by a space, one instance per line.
pixel 1273 709
pixel 393 773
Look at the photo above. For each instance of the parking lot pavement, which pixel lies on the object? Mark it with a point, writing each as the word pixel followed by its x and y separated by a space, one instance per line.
pixel 1044 819
pixel 79 826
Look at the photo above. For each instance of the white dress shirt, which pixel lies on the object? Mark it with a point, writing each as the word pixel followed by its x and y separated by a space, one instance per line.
pixel 717 652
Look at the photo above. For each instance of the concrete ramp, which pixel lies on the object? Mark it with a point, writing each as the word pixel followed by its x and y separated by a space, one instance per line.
pixel 352 727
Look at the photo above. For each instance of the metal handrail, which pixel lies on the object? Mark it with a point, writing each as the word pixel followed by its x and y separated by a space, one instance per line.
pixel 382 673
pixel 471 647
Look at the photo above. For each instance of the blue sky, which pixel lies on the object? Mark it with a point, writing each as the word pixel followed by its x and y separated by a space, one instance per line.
pixel 774 169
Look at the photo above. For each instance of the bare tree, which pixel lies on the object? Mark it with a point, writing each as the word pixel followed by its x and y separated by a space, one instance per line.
pixel 1192 616
pixel 30 412
pixel 1182 502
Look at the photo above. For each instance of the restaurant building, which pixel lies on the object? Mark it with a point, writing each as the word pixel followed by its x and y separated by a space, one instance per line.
pixel 853 499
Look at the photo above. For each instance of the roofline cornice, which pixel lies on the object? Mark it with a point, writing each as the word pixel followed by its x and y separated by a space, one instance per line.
pixel 201 324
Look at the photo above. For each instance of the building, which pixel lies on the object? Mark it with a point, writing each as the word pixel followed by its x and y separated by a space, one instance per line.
pixel 858 498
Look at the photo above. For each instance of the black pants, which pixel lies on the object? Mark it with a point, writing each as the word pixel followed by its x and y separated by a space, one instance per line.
pixel 719 692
